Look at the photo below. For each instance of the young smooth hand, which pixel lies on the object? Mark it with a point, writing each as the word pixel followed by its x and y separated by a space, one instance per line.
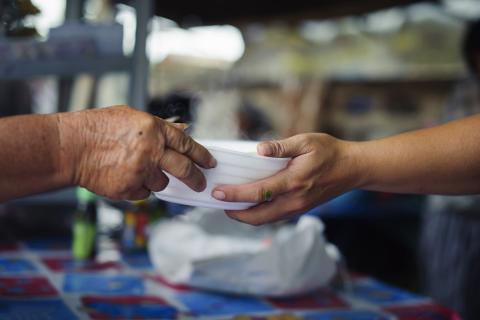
pixel 320 170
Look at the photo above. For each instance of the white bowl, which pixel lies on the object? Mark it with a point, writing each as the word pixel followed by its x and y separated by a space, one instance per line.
pixel 237 163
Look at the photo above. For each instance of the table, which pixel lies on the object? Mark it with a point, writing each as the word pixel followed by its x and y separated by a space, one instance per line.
pixel 39 280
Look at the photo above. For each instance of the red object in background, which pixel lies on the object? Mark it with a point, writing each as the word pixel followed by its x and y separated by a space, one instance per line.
pixel 26 287
pixel 320 299
pixel 141 229
pixel 124 299
pixel 423 312
pixel 122 307
pixel 69 264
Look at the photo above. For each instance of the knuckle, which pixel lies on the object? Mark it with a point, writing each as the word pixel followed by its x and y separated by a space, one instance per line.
pixel 122 108
pixel 121 191
pixel 307 140
pixel 277 147
pixel 300 182
pixel 259 195
pixel 304 141
pixel 280 148
pixel 308 185
pixel 185 169
pixel 295 183
pixel 176 139
pixel 186 144
pixel 147 123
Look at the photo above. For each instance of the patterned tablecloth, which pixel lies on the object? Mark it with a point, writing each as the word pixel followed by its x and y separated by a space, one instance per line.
pixel 39 280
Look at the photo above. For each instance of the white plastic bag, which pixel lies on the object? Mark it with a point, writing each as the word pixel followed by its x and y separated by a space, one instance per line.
pixel 206 249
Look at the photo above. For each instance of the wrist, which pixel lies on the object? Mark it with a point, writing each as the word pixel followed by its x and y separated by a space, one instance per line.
pixel 72 145
pixel 356 164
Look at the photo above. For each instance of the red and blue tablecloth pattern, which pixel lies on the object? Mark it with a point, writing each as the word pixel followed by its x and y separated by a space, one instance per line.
pixel 39 280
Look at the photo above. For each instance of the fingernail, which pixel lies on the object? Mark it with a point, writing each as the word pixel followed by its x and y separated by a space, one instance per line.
pixel 219 195
pixel 265 149
pixel 213 162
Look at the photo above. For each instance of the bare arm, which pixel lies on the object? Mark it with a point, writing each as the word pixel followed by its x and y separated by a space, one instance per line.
pixel 30 159
pixel 440 160
pixel 116 152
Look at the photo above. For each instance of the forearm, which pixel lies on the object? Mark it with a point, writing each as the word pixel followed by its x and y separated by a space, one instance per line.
pixel 439 160
pixel 31 156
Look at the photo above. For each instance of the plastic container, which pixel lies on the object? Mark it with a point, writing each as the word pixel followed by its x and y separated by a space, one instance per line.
pixel 237 163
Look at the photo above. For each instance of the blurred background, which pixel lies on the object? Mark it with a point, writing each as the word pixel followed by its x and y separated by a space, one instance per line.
pixel 258 70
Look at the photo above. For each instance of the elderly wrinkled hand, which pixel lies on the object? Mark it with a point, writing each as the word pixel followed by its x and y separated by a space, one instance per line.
pixel 119 152
pixel 316 173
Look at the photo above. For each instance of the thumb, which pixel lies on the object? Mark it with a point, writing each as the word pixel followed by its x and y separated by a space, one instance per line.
pixel 280 148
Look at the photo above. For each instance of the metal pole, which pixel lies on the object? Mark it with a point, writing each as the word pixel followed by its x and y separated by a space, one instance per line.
pixel 74 10
pixel 140 64
pixel 73 13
